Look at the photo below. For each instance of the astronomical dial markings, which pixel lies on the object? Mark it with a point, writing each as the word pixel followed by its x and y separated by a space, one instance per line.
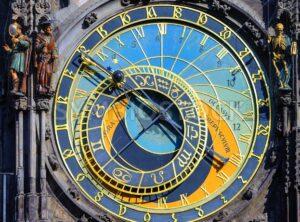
pixel 204 61
pixel 136 182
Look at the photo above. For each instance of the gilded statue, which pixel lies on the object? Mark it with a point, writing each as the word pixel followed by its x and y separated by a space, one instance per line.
pixel 19 51
pixel 281 51
pixel 45 57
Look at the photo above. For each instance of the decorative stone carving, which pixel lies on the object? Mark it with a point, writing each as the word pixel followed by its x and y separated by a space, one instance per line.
pixel 248 194
pixel 73 191
pixel 258 36
pixel 90 19
pixel 285 6
pixel 221 216
pixel 273 157
pixel 128 2
pixel 83 219
pixel 53 162
pixel 42 104
pixel 19 7
pixel 218 6
pixel 20 104
pixel 296 28
pixel 286 100
pixel 105 218
pixel 42 7
pixel 48 132
pixel 253 29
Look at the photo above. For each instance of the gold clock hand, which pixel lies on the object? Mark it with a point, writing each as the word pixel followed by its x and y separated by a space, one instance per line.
pixel 88 60
pixel 142 99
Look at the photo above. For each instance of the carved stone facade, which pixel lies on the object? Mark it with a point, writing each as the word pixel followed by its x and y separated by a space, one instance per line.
pixel 41 182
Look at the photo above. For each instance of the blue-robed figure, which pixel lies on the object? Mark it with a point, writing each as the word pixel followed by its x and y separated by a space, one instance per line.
pixel 20 57
pixel 281 52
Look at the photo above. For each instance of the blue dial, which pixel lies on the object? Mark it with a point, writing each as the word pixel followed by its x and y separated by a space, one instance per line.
pixel 162 113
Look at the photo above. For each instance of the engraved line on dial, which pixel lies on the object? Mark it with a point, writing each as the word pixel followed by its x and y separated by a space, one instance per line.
pixel 199 57
pixel 213 71
pixel 143 51
pixel 183 45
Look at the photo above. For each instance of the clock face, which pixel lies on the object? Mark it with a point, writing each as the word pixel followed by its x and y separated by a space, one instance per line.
pixel 162 113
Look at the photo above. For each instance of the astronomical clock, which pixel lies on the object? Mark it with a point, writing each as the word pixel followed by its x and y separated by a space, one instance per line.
pixel 153 111
pixel 162 112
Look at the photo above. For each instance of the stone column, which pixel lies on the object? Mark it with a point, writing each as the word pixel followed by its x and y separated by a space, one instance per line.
pixel 42 106
pixel 20 106
pixel 31 197
pixel 286 100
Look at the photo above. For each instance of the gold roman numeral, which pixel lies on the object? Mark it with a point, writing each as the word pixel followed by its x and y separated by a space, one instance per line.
pixel 184 199
pixel 248 115
pixel 162 202
pixel 203 188
pixel 102 55
pixel 236 159
pixel 204 40
pixel 245 138
pixel 222 53
pixel 140 32
pixel 118 39
pixel 223 176
pixel 162 28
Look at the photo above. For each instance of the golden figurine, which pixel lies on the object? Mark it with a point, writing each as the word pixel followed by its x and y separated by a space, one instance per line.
pixel 281 51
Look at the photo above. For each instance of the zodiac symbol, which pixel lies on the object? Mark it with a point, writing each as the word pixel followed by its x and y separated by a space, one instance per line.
pixel 191 132
pixel 184 158
pixel 122 175
pixel 162 84
pixel 184 103
pixel 189 114
pixel 145 80
pixel 99 111
pixel 175 92
pixel 161 177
